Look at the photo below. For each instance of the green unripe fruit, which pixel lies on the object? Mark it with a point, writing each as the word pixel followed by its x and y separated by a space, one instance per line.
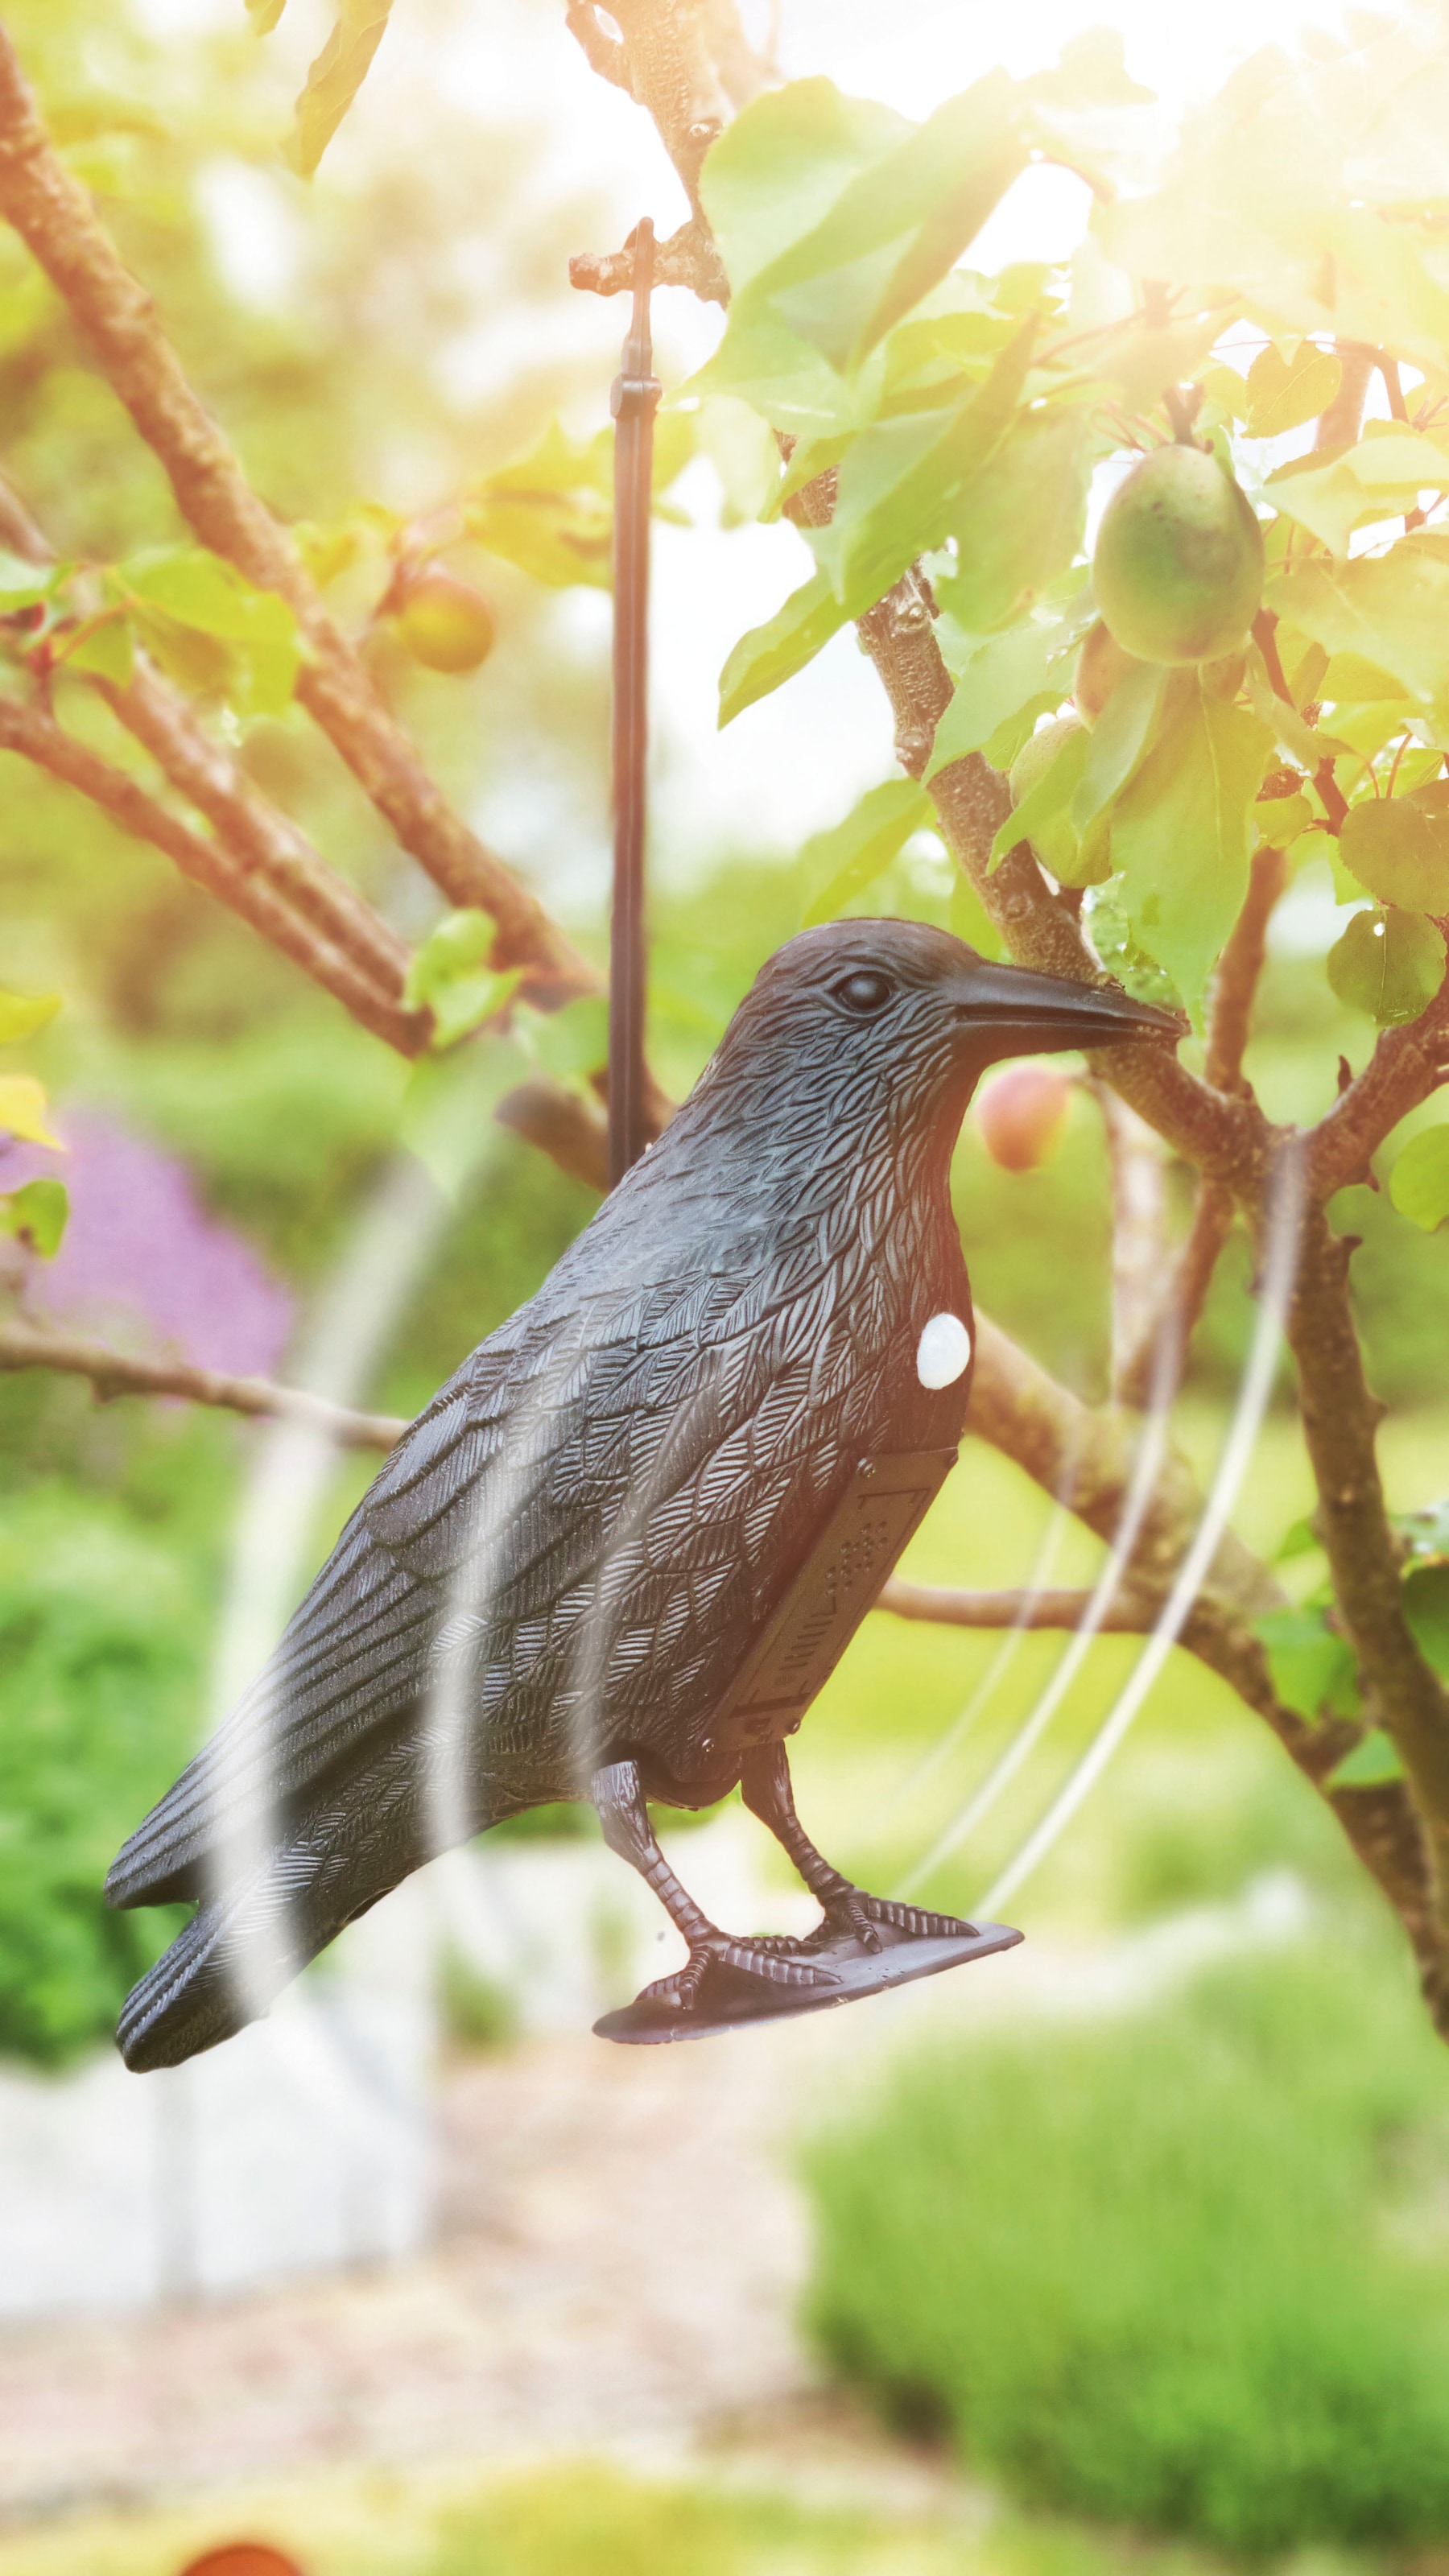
pixel 1101 665
pixel 445 623
pixel 1178 570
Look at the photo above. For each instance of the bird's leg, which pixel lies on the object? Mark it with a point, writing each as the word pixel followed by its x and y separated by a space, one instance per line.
pixel 765 1787
pixel 618 1794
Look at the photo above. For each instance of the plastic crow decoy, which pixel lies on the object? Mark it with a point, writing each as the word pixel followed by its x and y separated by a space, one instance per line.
pixel 622 1548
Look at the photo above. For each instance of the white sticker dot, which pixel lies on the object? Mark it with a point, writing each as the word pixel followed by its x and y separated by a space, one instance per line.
pixel 943 1351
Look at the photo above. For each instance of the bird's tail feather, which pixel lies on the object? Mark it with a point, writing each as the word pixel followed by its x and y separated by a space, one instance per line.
pixel 223 1971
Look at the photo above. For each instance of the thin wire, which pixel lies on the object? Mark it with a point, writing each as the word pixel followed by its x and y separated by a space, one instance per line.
pixel 963 1725
pixel 1144 1480
pixel 1280 1273
pixel 635 394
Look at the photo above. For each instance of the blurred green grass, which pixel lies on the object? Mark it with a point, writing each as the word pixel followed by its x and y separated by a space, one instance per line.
pixel 584 2519
pixel 1181 2265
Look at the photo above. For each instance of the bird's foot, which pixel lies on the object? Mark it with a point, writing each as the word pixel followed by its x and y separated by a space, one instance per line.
pixel 855 1915
pixel 776 1964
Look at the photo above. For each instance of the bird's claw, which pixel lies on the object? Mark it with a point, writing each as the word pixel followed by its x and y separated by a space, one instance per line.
pixel 777 1963
pixel 856 1914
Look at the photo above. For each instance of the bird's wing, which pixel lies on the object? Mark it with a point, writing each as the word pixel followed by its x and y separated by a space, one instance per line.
pixel 593 1503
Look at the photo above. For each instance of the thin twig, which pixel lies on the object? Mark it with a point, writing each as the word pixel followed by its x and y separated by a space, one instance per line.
pixel 113 1373
pixel 118 319
pixel 38 738
pixel 1235 982
pixel 950 1609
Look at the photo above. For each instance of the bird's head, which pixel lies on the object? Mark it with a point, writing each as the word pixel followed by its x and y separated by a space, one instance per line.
pixel 894 1018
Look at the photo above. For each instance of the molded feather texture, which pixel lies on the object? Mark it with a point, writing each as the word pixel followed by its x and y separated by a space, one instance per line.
pixel 573 1548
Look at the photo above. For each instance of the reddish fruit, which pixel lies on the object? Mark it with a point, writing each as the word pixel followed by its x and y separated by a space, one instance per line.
pixel 1022 1114
pixel 445 623
pixel 242 2558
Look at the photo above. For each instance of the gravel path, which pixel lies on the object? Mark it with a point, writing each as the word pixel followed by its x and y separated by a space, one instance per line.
pixel 617 2262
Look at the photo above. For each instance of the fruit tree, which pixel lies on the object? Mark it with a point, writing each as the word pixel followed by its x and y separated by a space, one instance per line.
pixel 1147 549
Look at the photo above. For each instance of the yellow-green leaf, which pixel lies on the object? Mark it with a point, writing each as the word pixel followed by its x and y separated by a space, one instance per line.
pixel 1399 848
pixel 335 79
pixel 774 652
pixel 837 865
pixel 21 1014
pixel 1284 392
pixel 1393 610
pixel 22 1109
pixel 1021 673
pixel 1419 1182
pixel 36 1214
pixel 1180 835
pixel 1390 964
pixel 1371 1765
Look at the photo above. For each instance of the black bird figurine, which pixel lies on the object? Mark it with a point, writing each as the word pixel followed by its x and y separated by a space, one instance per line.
pixel 624 1545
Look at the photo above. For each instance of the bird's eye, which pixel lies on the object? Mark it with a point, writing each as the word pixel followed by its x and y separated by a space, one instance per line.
pixel 863 992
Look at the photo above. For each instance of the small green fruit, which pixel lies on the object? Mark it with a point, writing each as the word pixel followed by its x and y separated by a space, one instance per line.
pixel 445 623
pixel 1178 570
pixel 1101 666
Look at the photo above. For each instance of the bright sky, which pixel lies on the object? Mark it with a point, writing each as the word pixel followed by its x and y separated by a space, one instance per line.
pixel 514 58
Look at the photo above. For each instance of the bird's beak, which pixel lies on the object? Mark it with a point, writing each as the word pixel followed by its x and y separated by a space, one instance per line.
pixel 1006 1010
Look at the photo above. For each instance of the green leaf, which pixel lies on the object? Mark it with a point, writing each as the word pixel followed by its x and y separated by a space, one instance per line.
pixel 1119 741
pixel 1419 1182
pixel 107 648
pixel 1180 835
pixel 1310 1666
pixel 265 15
pixel 335 79
pixel 1390 964
pixel 1023 672
pixel 22 1109
pixel 1371 1765
pixel 1371 481
pixel 897 228
pixel 448 1105
pixel 448 976
pixel 1392 610
pixel 837 865
pixel 743 451
pixel 25 585
pixel 969 919
pixel 1284 392
pixel 1301 741
pixel 1276 822
pixel 568 1045
pixel 211 628
pixel 786 159
pixel 21 1014
pixel 1019 521
pixel 837 218
pixel 774 652
pixel 551 512
pixel 1426 1607
pixel 36 1214
pixel 900 479
pixel 1398 847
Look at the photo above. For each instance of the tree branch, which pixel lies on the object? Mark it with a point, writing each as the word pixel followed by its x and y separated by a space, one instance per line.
pixel 113 1373
pixel 1235 981
pixel 40 739
pixel 1407 1065
pixel 1340 1419
pixel 55 219
pixel 951 1609
pixel 258 835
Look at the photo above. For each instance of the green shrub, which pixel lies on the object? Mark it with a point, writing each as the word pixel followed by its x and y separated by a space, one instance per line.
pixel 1175 2268
pixel 100 1695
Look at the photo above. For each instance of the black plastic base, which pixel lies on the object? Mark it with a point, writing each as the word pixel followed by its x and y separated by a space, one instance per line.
pixel 728 1999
